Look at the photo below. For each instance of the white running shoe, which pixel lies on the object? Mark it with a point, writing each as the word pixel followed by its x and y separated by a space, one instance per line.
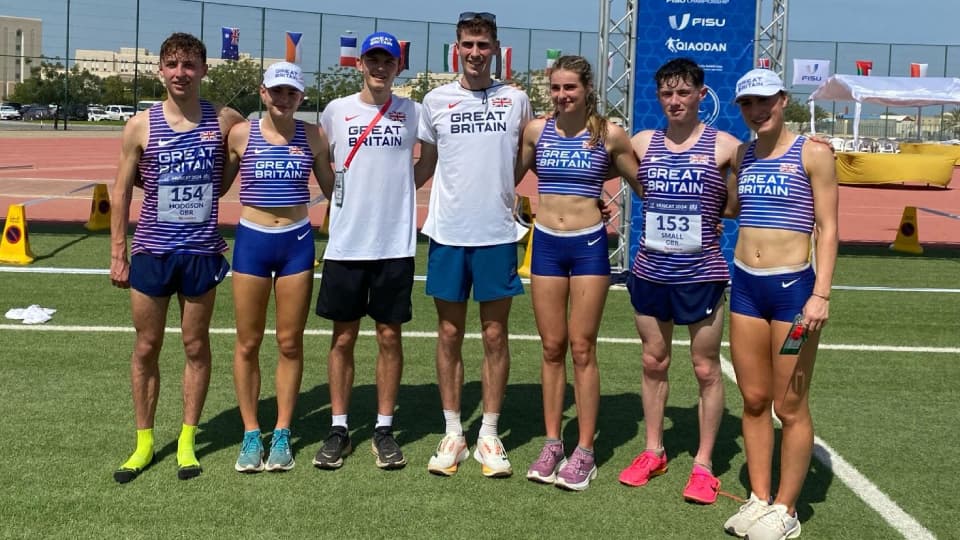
pixel 749 513
pixel 450 452
pixel 776 524
pixel 492 457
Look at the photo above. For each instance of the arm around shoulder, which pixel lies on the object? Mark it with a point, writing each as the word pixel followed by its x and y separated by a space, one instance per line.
pixel 320 147
pixel 623 157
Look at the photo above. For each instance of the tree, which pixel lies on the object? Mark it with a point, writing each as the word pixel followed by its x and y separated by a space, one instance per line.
pixel 334 83
pixel 534 83
pixel 46 85
pixel 116 91
pixel 234 84
pixel 798 112
pixel 420 86
pixel 951 122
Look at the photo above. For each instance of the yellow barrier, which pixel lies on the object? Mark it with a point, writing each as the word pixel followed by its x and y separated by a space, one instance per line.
pixel 908 233
pixel 524 270
pixel 864 168
pixel 930 149
pixel 99 209
pixel 15 245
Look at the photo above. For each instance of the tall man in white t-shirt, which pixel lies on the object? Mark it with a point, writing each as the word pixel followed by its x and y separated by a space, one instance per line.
pixel 368 263
pixel 470 131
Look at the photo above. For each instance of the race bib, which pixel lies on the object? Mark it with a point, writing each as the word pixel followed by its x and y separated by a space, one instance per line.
pixel 185 197
pixel 673 226
pixel 338 188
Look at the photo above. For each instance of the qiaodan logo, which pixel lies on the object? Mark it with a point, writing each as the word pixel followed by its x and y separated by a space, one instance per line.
pixel 709 107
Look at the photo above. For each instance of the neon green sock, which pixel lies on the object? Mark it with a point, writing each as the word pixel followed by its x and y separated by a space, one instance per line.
pixel 185 450
pixel 143 455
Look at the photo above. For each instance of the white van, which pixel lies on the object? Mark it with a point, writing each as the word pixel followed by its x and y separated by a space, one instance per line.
pixel 146 104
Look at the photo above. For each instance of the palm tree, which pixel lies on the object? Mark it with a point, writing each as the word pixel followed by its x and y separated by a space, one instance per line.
pixel 951 121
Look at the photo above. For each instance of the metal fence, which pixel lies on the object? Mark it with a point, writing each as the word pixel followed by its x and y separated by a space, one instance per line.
pixel 122 37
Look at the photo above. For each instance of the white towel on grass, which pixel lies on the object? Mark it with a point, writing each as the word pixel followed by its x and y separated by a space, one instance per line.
pixel 31 315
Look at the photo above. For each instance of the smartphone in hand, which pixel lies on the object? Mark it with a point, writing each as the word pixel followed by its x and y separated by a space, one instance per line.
pixel 795 337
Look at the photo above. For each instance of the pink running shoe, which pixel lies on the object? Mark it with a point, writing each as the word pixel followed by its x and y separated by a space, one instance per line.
pixel 644 467
pixel 544 469
pixel 578 471
pixel 702 487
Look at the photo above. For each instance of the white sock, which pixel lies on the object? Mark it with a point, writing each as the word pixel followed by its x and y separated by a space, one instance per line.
pixel 488 428
pixel 452 419
pixel 340 420
pixel 384 421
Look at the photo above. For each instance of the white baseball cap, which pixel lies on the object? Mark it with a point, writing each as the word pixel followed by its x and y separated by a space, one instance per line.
pixel 759 82
pixel 283 73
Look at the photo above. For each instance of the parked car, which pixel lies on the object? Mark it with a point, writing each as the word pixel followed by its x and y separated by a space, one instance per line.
pixel 36 112
pixel 120 112
pixel 96 114
pixel 9 113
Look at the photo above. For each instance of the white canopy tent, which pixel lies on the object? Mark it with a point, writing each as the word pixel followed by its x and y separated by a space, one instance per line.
pixel 890 91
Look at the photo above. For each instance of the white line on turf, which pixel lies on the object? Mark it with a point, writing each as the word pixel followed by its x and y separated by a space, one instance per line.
pixel 848 474
pixel 862 487
pixel 106 271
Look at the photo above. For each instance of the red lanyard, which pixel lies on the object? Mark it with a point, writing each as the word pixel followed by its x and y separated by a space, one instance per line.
pixel 363 136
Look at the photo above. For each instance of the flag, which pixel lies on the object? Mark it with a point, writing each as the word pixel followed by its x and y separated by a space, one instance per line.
pixel 231 43
pixel 504 70
pixel 864 67
pixel 763 62
pixel 812 72
pixel 552 55
pixel 918 70
pixel 404 56
pixel 293 47
pixel 348 50
pixel 451 58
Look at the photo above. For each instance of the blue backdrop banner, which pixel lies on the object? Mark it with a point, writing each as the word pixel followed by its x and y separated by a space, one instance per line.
pixel 718 35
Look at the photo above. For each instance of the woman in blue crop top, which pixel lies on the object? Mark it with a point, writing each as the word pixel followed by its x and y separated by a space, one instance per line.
pixel 786 194
pixel 573 152
pixel 274 249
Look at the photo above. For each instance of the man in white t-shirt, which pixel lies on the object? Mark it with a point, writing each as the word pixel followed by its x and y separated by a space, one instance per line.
pixel 470 131
pixel 368 264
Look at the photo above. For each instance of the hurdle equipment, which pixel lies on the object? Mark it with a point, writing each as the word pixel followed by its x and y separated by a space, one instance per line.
pixel 523 213
pixel 99 209
pixel 15 245
pixel 908 233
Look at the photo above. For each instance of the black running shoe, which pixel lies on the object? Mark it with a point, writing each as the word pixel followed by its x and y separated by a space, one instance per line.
pixel 335 447
pixel 385 447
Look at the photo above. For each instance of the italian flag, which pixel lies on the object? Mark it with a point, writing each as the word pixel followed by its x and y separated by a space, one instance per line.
pixel 552 55
pixel 451 58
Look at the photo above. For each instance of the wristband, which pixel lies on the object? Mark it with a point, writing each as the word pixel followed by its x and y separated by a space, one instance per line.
pixel 827 298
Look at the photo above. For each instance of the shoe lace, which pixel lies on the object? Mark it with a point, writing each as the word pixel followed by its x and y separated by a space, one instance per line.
pixel 497 445
pixel 577 461
pixel 700 481
pixel 386 443
pixel 645 461
pixel 281 442
pixel 250 444
pixel 333 440
pixel 548 453
pixel 775 519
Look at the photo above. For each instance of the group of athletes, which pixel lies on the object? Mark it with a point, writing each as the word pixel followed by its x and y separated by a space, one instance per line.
pixel 186 152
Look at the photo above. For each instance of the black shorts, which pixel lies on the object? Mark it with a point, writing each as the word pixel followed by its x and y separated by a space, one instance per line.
pixel 684 303
pixel 381 289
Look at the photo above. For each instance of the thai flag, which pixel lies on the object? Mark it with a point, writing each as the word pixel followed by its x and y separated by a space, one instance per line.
pixel 293 47
pixel 231 43
pixel 348 50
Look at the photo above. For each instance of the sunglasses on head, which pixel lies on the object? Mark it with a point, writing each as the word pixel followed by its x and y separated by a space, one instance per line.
pixel 483 15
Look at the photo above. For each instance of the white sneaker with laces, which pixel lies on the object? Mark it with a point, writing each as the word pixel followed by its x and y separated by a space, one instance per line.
pixel 776 524
pixel 451 451
pixel 492 457
pixel 749 513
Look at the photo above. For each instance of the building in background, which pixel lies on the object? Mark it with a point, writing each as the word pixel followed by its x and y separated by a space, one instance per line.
pixel 130 60
pixel 20 47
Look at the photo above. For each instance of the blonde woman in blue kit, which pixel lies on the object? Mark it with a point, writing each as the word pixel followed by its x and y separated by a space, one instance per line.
pixel 274 249
pixel 786 193
pixel 573 152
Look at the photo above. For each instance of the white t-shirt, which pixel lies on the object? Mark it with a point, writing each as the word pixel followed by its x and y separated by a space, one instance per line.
pixel 477 133
pixel 378 216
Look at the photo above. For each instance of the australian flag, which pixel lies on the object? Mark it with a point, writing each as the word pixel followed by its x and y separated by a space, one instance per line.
pixel 231 43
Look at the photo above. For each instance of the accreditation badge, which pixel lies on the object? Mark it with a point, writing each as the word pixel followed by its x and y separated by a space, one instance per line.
pixel 338 187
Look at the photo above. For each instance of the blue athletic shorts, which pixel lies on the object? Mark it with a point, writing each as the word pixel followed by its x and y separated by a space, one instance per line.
pixel 490 270
pixel 265 251
pixel 570 253
pixel 682 303
pixel 770 293
pixel 186 273
pixel 351 289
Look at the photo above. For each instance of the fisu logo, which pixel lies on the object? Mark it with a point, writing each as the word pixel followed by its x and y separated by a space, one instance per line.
pixel 681 23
